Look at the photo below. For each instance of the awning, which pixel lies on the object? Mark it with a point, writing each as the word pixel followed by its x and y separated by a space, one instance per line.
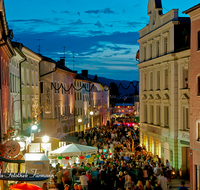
pixel 99 86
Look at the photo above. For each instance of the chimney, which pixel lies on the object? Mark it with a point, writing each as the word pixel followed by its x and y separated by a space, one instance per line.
pixel 61 61
pixel 85 73
pixel 96 77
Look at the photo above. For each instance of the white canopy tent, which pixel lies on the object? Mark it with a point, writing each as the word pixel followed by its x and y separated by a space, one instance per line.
pixel 74 150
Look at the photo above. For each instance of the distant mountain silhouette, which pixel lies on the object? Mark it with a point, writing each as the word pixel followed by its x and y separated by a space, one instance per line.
pixel 125 83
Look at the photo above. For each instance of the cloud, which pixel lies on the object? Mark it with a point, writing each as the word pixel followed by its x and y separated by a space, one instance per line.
pixel 53 11
pixel 79 21
pixel 78 13
pixel 133 24
pixel 98 24
pixel 136 5
pixel 67 12
pixel 104 11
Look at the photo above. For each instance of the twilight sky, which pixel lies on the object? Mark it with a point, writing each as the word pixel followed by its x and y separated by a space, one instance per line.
pixel 101 33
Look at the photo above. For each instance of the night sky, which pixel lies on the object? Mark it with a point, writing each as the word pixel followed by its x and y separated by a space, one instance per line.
pixel 101 33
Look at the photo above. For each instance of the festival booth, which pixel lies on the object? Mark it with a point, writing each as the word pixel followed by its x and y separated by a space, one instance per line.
pixel 72 153
pixel 38 162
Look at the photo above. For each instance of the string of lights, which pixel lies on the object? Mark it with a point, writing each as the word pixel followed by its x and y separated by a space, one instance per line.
pixel 92 87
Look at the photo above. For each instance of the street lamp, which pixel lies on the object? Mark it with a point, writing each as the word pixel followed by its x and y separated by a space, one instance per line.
pixel 45 139
pixel 92 113
pixel 34 127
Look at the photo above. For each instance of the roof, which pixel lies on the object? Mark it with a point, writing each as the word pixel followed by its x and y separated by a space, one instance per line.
pixel 44 58
pixel 65 68
pixel 192 9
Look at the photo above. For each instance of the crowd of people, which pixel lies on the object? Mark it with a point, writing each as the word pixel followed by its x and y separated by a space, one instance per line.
pixel 121 163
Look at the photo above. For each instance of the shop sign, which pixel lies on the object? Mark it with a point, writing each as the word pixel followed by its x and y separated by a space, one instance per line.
pixel 13 148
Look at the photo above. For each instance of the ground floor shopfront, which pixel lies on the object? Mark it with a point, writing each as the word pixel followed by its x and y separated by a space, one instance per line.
pixel 175 150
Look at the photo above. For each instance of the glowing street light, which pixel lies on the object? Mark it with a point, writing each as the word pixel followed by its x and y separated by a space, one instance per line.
pixel 34 127
pixel 91 113
pixel 18 138
pixel 45 139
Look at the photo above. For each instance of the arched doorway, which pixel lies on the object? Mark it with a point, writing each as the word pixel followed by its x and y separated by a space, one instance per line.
pixel 146 142
pixel 166 151
pixel 158 148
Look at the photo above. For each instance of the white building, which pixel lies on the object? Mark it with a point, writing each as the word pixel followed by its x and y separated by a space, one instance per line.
pixel 164 85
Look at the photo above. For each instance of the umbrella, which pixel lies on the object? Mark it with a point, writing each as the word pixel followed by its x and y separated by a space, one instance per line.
pixel 74 150
pixel 25 186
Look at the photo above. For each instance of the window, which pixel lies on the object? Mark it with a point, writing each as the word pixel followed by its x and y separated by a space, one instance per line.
pixel 10 82
pixel 41 87
pixel 36 78
pixel 151 81
pixel 145 80
pixel 27 77
pixel 81 111
pixel 145 52
pixel 185 118
pixel 158 48
pixel 145 113
pixel 198 177
pixel 15 84
pixel 150 51
pixel 198 85
pixel 32 77
pixel 58 112
pixel 75 95
pixel 198 40
pixel 166 78
pixel 158 80
pixel 198 131
pixel 151 114
pixel 185 78
pixel 22 72
pixel 80 96
pixel 158 115
pixel 166 116
pixel 165 45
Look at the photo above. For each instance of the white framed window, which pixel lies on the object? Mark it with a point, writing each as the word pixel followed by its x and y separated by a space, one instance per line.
pixel 36 78
pixel 145 113
pixel 27 77
pixel 198 131
pixel 32 77
pixel 23 74
pixel 151 81
pixel 158 79
pixel 165 45
pixel 145 53
pixel 185 118
pixel 166 79
pixel 158 115
pixel 157 49
pixel 56 112
pixel 152 114
pixel 150 51
pixel 145 81
pixel 185 77
pixel 166 116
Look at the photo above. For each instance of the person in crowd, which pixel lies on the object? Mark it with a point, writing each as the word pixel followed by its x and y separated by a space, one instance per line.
pixel 162 181
pixel 129 184
pixel 75 187
pixel 66 187
pixel 60 179
pixel 148 186
pixel 84 181
pixel 139 185
pixel 44 186
pixel 169 169
pixel 182 187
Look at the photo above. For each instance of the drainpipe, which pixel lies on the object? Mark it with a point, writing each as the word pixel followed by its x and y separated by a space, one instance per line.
pixel 20 82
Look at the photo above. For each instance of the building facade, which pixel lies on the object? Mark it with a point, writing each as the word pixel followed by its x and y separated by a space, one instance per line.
pixel 164 64
pixel 194 14
pixel 15 87
pixel 6 52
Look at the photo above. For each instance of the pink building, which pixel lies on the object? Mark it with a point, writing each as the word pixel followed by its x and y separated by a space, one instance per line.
pixel 194 13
